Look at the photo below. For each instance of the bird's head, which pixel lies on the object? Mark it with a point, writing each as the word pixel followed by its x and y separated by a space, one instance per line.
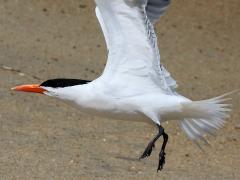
pixel 53 87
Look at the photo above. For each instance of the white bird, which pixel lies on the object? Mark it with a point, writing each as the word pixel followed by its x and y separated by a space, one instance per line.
pixel 134 85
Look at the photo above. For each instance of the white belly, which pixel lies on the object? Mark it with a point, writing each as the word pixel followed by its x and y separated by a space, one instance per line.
pixel 119 113
pixel 129 108
pixel 113 109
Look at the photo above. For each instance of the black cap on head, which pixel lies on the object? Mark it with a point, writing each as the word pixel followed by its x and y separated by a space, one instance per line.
pixel 60 83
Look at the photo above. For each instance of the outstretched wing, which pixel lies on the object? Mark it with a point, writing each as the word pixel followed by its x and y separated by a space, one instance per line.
pixel 133 59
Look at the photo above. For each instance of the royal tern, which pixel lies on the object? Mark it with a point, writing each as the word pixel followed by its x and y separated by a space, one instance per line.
pixel 134 85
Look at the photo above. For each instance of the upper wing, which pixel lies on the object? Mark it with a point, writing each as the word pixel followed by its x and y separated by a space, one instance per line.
pixel 154 10
pixel 133 59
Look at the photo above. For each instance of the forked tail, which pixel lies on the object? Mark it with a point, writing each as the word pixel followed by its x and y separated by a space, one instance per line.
pixel 205 116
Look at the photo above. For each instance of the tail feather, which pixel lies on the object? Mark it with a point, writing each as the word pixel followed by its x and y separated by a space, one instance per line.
pixel 205 128
pixel 205 117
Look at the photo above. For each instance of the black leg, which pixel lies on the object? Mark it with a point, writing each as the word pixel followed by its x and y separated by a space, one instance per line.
pixel 147 152
pixel 162 152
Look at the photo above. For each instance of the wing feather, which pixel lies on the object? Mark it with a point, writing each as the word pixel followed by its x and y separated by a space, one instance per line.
pixel 132 43
pixel 156 8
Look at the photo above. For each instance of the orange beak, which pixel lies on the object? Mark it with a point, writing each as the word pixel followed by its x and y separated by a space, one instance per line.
pixel 34 88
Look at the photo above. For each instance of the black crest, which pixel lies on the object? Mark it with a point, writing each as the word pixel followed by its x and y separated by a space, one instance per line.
pixel 60 83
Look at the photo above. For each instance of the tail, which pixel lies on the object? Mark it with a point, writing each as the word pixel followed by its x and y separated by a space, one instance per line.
pixel 205 117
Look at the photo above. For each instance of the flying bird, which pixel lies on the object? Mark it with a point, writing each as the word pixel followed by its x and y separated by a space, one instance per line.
pixel 134 85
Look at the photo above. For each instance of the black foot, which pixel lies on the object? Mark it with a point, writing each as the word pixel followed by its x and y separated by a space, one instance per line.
pixel 161 161
pixel 147 152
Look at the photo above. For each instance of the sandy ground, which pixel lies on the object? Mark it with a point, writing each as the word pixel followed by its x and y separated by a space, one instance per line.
pixel 42 138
